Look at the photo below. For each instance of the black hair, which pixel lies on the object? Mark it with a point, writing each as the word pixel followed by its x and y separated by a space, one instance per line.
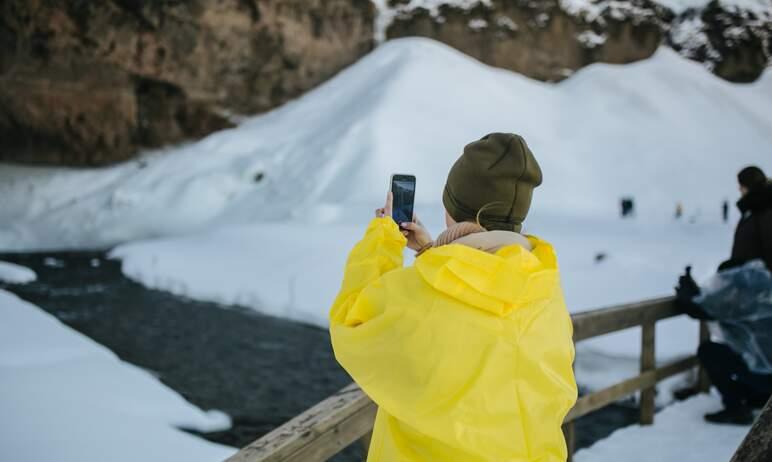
pixel 752 177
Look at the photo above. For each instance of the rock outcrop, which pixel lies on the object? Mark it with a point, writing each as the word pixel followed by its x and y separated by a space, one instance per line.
pixel 735 44
pixel 538 38
pixel 550 39
pixel 92 82
pixel 88 83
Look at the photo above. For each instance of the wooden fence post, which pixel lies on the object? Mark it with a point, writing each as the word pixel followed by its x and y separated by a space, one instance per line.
pixel 703 381
pixel 648 363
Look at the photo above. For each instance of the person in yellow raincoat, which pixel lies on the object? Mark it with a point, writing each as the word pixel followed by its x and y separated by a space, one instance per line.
pixel 468 353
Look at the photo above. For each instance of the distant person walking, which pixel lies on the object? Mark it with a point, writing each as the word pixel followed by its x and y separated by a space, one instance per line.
pixel 627 205
pixel 753 236
pixel 468 351
pixel 725 210
pixel 679 210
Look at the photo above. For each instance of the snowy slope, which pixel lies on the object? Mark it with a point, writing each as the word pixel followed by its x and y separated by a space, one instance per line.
pixel 662 129
pixel 64 396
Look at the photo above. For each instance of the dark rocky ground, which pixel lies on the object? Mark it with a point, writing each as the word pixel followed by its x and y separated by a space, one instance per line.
pixel 259 369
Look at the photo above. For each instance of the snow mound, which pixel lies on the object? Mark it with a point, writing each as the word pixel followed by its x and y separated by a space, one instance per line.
pixel 410 106
pixel 63 394
pixel 16 274
pixel 679 434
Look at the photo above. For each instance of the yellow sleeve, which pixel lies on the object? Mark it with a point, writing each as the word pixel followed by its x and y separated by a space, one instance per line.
pixel 379 252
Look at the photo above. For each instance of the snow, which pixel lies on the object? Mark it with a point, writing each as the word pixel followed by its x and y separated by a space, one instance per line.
pixel 385 12
pixel 591 39
pixel 661 130
pixel 679 434
pixel 16 274
pixel 477 24
pixel 63 394
pixel 505 22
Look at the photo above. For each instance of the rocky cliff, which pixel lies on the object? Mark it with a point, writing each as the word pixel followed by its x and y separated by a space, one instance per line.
pixel 536 38
pixel 85 82
pixel 88 83
pixel 550 39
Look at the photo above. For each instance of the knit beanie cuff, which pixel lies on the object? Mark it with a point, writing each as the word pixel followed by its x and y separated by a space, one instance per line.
pixel 460 212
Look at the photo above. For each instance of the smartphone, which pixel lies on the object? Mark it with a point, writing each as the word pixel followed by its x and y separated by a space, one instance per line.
pixel 403 189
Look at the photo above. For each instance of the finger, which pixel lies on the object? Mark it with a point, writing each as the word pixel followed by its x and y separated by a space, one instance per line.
pixel 409 225
pixel 405 233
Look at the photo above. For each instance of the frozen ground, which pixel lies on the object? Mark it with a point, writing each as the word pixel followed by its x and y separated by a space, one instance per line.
pixel 64 396
pixel 263 214
pixel 679 434
pixel 15 274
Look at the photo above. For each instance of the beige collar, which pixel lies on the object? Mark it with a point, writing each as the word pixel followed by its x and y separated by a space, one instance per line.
pixel 492 241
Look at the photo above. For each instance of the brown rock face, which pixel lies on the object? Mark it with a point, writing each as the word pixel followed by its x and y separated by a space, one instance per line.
pixel 735 44
pixel 87 83
pixel 536 38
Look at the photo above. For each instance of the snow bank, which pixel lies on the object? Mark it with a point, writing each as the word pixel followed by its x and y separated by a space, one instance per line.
pixel 16 274
pixel 64 395
pixel 679 434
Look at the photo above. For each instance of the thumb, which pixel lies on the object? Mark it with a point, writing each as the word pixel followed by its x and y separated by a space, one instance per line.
pixel 410 225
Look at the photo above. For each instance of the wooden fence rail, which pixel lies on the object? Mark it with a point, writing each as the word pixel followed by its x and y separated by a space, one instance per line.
pixel 331 425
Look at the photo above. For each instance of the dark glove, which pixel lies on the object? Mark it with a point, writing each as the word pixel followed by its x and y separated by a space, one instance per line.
pixel 686 290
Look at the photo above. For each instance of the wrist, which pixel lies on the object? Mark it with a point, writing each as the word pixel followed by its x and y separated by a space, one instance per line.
pixel 424 248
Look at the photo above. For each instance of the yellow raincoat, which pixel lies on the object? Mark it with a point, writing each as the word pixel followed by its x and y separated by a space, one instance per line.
pixel 467 354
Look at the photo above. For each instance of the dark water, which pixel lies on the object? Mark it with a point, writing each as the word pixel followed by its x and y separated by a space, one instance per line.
pixel 260 370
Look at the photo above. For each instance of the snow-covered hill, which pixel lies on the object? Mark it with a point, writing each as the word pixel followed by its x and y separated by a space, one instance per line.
pixel 662 130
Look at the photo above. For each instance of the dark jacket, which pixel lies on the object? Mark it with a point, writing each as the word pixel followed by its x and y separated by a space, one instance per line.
pixel 753 237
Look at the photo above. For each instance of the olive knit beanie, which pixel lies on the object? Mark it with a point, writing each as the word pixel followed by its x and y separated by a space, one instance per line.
pixel 494 177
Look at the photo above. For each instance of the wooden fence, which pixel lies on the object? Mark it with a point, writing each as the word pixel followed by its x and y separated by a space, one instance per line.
pixel 325 429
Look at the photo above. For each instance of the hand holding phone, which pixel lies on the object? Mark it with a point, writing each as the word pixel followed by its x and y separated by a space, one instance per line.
pixel 399 205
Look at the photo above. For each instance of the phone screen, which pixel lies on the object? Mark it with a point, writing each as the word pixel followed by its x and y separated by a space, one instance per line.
pixel 403 189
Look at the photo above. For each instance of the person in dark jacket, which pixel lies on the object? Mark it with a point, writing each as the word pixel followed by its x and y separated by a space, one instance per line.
pixel 753 236
pixel 740 387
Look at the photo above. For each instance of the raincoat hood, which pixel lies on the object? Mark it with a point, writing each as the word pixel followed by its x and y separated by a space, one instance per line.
pixel 498 283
